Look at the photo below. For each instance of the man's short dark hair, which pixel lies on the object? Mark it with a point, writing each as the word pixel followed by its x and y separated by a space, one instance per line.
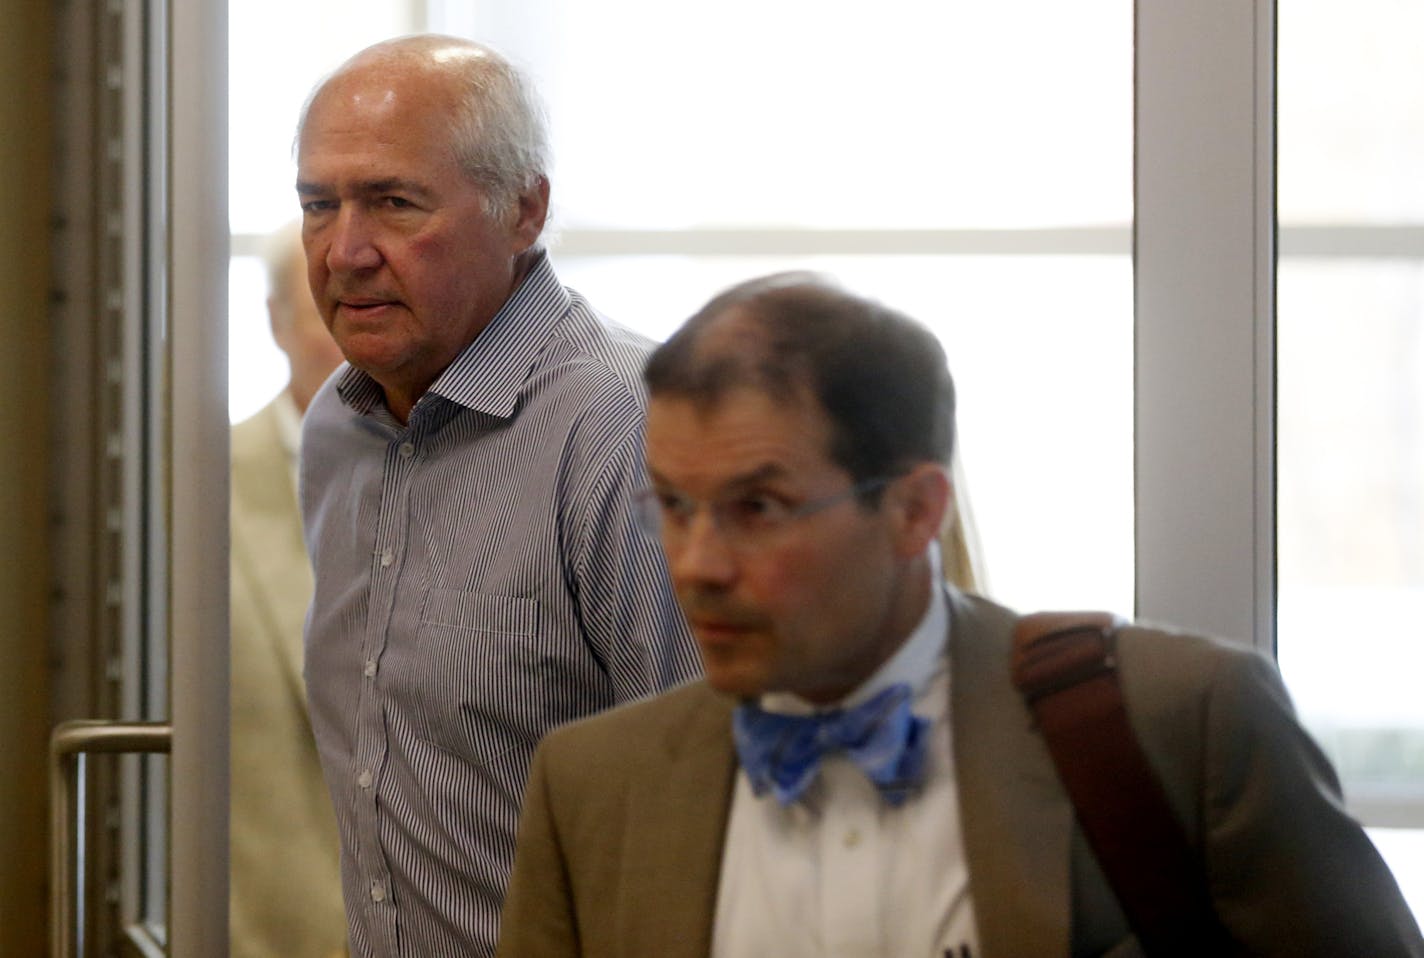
pixel 881 377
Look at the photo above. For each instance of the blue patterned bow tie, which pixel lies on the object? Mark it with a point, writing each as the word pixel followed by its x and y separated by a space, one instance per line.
pixel 881 736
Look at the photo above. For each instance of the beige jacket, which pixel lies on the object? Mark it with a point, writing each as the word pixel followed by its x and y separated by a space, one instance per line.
pixel 624 816
pixel 286 891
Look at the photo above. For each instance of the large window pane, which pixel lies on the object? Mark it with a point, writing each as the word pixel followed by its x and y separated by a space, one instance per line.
pixel 1351 114
pixel 1041 351
pixel 1351 519
pixel 1351 402
pixel 805 113
pixel 803 119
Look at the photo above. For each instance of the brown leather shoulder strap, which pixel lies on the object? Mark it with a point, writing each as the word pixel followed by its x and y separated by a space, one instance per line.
pixel 1065 666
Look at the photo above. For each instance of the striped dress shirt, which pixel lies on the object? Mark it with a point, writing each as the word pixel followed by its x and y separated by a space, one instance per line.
pixel 479 580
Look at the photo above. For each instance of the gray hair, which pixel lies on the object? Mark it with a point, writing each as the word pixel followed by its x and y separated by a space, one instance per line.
pixel 499 133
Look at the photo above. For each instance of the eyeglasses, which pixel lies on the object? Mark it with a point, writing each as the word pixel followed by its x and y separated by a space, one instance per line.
pixel 743 519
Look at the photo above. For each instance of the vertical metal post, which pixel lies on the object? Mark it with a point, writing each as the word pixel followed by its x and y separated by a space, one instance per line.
pixel 197 454
pixel 1204 275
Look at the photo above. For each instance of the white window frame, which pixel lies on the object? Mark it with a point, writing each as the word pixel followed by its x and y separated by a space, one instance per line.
pixel 1204 277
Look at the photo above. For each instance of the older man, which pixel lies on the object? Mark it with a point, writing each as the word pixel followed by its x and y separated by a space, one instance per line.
pixel 480 577
pixel 894 797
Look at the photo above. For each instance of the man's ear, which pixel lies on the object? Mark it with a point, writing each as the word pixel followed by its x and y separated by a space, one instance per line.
pixel 919 500
pixel 531 210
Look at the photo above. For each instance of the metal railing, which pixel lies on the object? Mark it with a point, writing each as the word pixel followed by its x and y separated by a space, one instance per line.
pixel 67 744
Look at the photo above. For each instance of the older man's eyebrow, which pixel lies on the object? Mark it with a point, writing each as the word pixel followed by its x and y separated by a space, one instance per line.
pixel 392 184
pixel 372 187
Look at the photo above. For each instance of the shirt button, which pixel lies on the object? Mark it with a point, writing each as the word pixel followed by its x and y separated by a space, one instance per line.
pixel 364 779
pixel 387 557
pixel 407 449
pixel 378 891
pixel 852 838
pixel 370 668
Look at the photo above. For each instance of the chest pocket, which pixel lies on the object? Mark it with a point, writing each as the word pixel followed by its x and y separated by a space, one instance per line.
pixel 473 658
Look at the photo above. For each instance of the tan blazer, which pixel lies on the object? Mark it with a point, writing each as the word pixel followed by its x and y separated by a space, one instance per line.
pixel 624 816
pixel 286 891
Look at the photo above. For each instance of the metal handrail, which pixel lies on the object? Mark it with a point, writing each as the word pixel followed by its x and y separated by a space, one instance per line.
pixel 71 739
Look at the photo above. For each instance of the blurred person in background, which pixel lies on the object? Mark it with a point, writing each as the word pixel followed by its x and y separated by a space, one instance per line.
pixel 285 886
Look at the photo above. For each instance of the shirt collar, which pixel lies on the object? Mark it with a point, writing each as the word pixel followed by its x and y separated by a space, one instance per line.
pixel 488 373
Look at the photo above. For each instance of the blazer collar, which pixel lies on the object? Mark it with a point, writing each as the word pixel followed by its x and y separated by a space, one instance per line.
pixel 1016 821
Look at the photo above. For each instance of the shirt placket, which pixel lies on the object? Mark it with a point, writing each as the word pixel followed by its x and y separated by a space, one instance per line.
pixel 372 732
pixel 850 876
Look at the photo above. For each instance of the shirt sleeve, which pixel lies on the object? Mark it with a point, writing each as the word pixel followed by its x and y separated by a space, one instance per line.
pixel 626 605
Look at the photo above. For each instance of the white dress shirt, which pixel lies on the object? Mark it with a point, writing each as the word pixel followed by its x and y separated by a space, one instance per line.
pixel 842 872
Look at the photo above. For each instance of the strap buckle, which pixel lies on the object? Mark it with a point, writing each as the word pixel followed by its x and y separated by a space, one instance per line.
pixel 1047 662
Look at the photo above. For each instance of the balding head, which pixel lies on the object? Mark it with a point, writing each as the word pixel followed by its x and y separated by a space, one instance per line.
pixel 879 376
pixel 495 122
pixel 419 170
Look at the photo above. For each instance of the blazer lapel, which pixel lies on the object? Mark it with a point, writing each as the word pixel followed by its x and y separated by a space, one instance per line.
pixel 1017 823
pixel 676 838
